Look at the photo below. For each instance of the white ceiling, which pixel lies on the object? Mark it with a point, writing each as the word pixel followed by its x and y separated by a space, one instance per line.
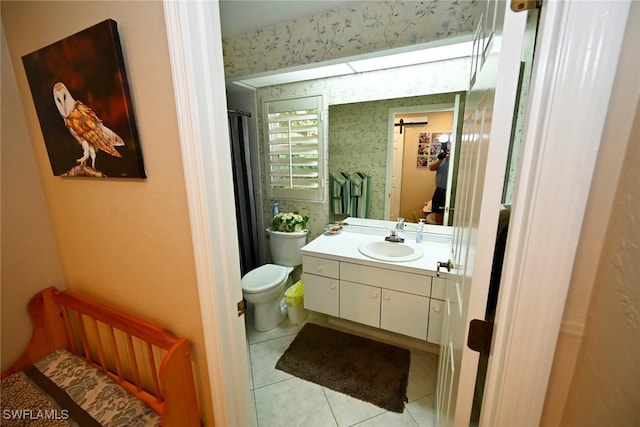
pixel 242 16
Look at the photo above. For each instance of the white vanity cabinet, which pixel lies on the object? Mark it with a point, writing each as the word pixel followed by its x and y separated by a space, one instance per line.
pixel 394 311
pixel 321 285
pixel 360 303
pixel 403 313
pixel 436 309
pixel 392 300
pixel 374 289
pixel 402 298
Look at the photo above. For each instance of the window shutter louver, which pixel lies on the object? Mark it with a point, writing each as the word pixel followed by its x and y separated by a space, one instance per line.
pixel 294 148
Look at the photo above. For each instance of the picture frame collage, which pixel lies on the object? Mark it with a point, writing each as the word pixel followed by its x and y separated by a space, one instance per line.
pixel 430 144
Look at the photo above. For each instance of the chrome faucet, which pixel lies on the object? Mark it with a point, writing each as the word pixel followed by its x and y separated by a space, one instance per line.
pixel 393 237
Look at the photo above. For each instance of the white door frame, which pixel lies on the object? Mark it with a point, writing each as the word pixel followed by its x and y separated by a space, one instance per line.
pixel 489 107
pixel 571 84
pixel 577 46
pixel 195 47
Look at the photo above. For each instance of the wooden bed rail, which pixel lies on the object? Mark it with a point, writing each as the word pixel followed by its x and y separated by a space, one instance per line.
pixel 142 357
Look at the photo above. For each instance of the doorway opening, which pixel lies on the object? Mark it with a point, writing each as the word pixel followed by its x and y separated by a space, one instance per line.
pixel 511 174
pixel 417 135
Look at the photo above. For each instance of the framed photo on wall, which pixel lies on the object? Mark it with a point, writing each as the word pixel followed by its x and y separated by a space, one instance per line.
pixel 81 94
pixel 424 150
pixel 430 145
pixel 441 142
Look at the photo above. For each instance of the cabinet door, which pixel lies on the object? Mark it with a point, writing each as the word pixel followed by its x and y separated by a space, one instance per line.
pixel 404 313
pixel 435 321
pixel 321 294
pixel 438 288
pixel 360 303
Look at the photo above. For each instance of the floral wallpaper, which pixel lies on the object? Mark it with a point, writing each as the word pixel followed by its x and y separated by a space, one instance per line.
pixel 519 129
pixel 356 28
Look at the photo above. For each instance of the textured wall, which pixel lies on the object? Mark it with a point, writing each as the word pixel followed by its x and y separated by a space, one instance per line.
pixel 354 29
pixel 126 242
pixel 602 210
pixel 607 375
pixel 30 259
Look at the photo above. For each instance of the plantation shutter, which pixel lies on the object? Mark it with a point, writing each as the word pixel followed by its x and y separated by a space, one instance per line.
pixel 294 148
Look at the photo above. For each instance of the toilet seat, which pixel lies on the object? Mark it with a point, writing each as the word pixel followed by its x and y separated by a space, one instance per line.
pixel 264 278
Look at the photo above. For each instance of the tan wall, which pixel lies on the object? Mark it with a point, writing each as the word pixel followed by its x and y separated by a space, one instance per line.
pixel 591 326
pixel 126 242
pixel 606 381
pixel 419 183
pixel 30 258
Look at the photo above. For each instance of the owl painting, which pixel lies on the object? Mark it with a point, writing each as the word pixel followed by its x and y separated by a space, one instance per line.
pixel 85 126
pixel 89 127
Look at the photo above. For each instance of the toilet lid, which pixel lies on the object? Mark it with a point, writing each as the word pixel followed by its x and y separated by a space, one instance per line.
pixel 263 278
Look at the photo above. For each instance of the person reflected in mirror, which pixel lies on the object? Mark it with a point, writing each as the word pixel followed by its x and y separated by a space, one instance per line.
pixel 441 166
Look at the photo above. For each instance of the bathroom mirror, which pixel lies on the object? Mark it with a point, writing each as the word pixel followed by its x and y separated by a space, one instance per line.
pixel 428 87
pixel 391 143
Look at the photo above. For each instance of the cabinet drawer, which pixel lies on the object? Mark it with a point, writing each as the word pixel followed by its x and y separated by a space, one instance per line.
pixel 397 280
pixel 436 311
pixel 321 266
pixel 321 294
pixel 405 314
pixel 360 303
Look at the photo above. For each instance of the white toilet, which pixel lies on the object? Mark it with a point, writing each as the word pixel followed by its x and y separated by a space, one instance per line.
pixel 264 286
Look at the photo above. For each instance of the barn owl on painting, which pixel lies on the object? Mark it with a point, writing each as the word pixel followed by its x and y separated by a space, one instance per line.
pixel 85 126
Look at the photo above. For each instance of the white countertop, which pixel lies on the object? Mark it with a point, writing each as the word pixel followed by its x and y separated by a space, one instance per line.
pixel 343 246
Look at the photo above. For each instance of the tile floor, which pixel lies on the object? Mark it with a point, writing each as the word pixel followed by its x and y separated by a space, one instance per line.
pixel 284 400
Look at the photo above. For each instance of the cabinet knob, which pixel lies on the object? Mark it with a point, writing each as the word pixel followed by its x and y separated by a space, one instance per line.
pixel 318 268
pixel 437 308
pixel 386 297
pixel 333 285
pixel 374 294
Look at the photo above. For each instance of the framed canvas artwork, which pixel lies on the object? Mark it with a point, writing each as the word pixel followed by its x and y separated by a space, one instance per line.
pixel 81 95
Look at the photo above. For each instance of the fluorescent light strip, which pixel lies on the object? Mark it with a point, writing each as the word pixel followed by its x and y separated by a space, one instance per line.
pixel 300 75
pixel 412 58
pixel 404 59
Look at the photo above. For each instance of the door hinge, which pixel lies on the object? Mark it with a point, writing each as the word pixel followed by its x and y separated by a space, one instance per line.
pixel 521 5
pixel 241 307
pixel 480 333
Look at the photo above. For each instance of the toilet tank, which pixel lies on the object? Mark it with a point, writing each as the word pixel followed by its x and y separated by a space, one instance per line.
pixel 285 247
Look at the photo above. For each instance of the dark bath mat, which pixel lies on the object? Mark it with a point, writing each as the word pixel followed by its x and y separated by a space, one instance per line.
pixel 362 368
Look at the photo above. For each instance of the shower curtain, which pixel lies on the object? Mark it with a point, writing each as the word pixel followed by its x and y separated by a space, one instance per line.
pixel 246 213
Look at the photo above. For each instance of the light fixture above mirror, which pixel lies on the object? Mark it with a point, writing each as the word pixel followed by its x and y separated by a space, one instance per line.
pixel 416 54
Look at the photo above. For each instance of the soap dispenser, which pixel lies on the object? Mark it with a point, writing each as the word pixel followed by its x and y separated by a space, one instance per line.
pixel 419 230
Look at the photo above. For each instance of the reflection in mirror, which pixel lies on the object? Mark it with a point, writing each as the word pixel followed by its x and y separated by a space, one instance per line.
pixel 424 84
pixel 361 139
pixel 420 138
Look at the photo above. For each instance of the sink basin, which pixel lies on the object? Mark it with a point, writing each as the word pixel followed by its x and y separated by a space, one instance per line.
pixel 390 251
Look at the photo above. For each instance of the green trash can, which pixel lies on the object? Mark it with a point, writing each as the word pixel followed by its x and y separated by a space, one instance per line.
pixel 294 297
